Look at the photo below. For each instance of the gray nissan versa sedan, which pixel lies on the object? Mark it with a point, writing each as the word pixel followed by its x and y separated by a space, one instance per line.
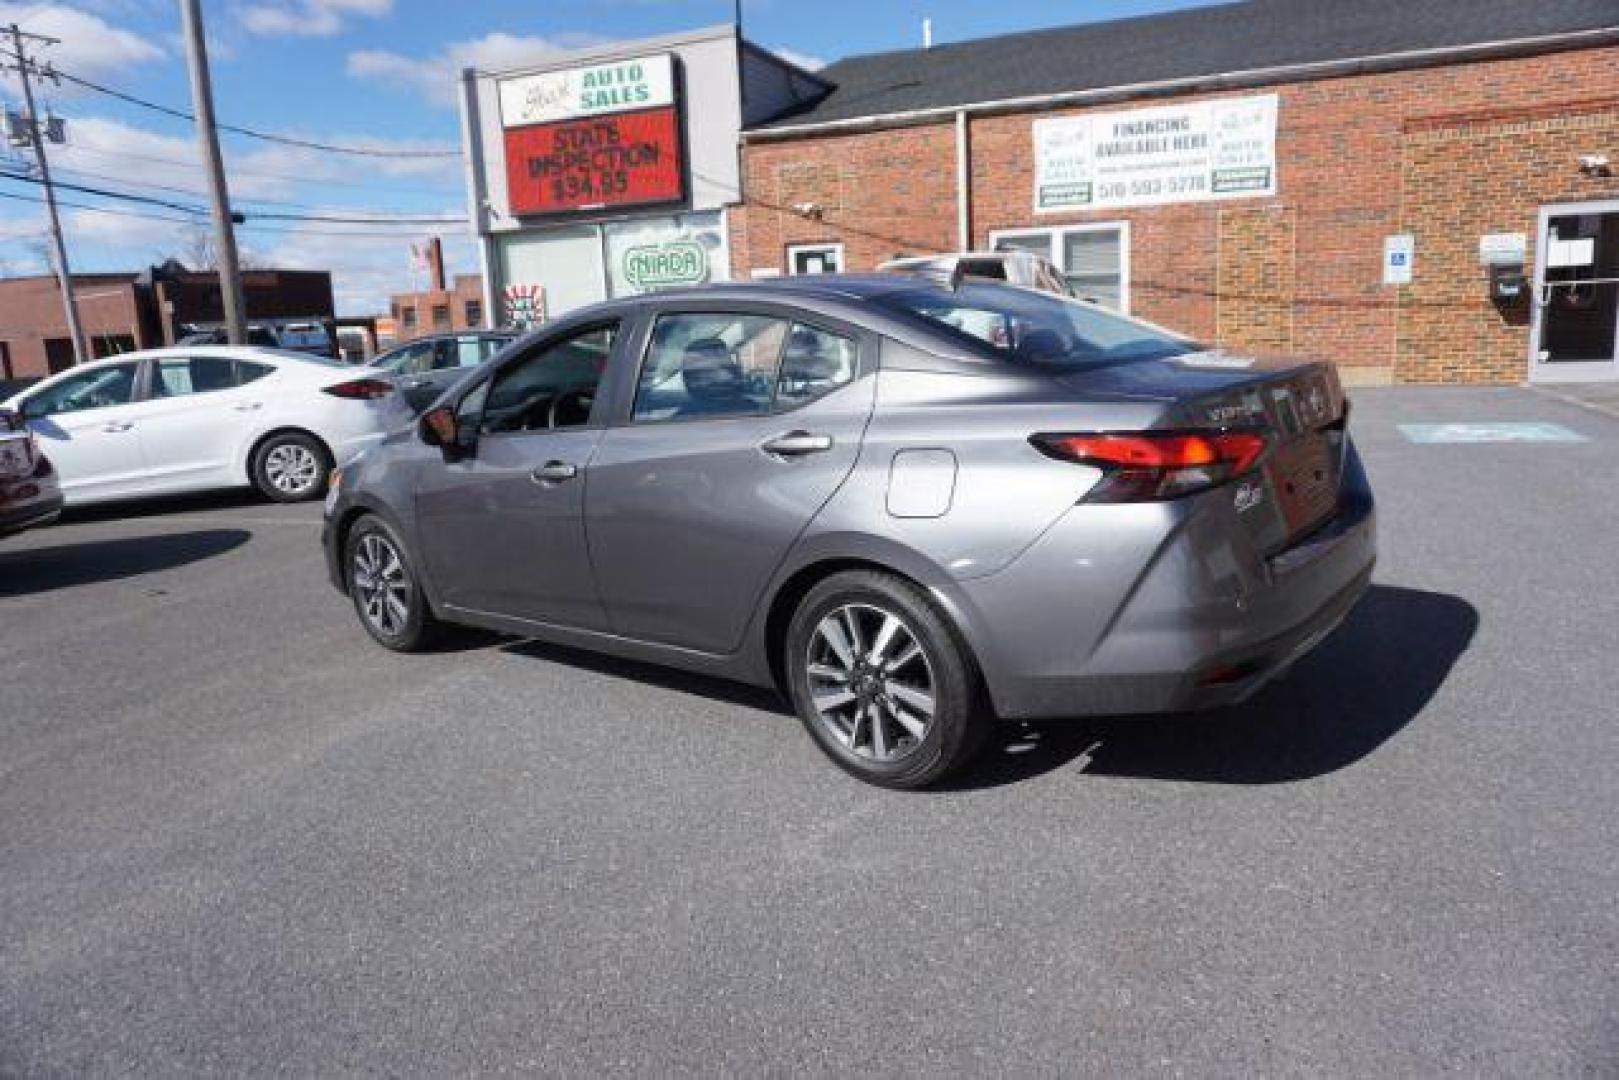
pixel 913 508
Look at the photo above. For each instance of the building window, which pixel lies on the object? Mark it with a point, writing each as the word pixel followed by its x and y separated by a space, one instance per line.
pixel 815 259
pixel 474 313
pixel 407 318
pixel 1093 258
pixel 441 316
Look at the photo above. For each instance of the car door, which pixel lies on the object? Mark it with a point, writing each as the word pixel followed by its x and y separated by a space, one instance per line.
pixel 743 424
pixel 87 426
pixel 501 522
pixel 451 358
pixel 194 421
pixel 413 367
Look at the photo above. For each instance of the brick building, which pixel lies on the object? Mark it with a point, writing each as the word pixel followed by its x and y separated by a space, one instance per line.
pixel 126 311
pixel 1421 192
pixel 457 306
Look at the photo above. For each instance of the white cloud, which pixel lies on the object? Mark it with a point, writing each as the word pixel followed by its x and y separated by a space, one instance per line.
pixel 803 60
pixel 308 18
pixel 365 271
pixel 365 268
pixel 436 77
pixel 88 45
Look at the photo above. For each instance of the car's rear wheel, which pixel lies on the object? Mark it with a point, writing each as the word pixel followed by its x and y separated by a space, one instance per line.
pixel 386 592
pixel 291 467
pixel 882 681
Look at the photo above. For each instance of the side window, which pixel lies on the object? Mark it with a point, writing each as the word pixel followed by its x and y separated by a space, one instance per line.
pixel 468 352
pixel 98 389
pixel 815 362
pixel 709 364
pixel 553 386
pixel 180 376
pixel 247 371
pixel 416 359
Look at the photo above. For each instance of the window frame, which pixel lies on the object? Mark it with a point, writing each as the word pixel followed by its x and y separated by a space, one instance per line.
pixel 554 335
pixel 137 389
pixel 147 380
pixel 641 349
pixel 1056 252
pixel 793 250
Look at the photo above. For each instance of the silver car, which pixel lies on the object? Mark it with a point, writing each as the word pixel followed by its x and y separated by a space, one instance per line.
pixel 914 509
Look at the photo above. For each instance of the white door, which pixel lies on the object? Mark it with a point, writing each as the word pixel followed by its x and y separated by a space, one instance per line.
pixel 86 426
pixel 194 421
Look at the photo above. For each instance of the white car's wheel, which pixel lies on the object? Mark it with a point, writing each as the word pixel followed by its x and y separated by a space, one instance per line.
pixel 291 467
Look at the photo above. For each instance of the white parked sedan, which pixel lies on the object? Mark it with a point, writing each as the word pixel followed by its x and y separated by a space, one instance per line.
pixel 195 418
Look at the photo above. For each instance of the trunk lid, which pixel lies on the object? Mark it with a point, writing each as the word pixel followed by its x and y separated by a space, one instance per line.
pixel 1299 405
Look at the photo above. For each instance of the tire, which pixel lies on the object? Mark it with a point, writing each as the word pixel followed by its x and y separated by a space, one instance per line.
pixel 291 467
pixel 385 588
pixel 871 719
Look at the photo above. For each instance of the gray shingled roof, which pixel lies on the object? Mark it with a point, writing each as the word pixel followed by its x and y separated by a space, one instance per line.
pixel 1199 41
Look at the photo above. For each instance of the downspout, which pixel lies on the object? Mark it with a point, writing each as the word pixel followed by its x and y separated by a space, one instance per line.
pixel 964 233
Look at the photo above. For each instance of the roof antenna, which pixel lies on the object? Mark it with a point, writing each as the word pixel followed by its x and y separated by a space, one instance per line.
pixel 927 33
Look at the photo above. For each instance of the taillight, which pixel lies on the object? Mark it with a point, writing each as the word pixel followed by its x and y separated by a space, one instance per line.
pixel 1147 466
pixel 361 389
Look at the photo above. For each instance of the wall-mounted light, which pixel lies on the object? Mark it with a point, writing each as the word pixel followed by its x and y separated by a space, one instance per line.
pixel 1595 165
pixel 811 210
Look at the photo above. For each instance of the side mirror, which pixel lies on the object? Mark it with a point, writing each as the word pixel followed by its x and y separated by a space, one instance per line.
pixel 437 427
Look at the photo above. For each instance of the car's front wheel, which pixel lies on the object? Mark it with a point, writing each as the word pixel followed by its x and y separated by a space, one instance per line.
pixel 386 592
pixel 882 681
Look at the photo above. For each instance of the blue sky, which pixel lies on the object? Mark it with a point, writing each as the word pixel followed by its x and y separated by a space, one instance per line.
pixel 371 73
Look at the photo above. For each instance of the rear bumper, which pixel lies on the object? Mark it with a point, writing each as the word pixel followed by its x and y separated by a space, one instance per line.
pixel 39 509
pixel 1194 619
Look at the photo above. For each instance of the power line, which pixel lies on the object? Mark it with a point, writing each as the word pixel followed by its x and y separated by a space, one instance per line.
pixel 252 133
pixel 152 185
pixel 336 219
pixel 156 159
pixel 97 209
pixel 104 192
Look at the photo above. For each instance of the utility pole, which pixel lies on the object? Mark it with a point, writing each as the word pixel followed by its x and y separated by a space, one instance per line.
pixel 36 134
pixel 202 103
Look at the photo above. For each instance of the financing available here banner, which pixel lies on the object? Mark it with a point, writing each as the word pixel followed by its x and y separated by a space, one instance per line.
pixel 1219 149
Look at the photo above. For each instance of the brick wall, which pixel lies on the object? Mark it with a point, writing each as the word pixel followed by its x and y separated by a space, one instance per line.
pixel 33 324
pixel 1445 153
pixel 461 306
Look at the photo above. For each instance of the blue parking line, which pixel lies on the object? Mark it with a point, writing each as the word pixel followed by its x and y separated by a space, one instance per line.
pixel 1491 432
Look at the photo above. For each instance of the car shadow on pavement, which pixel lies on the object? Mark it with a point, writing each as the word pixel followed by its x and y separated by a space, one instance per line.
pixel 42 569
pixel 1371 678
pixel 231 499
pixel 685 682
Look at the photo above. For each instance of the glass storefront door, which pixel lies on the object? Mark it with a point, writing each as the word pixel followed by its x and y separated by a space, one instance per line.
pixel 1575 333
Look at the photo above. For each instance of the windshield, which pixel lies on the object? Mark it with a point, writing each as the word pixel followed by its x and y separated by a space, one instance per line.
pixel 1030 327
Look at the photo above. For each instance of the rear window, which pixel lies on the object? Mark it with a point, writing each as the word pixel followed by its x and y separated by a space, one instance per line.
pixel 1028 327
pixel 304 337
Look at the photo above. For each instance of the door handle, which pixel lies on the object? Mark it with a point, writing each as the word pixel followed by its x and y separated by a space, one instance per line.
pixel 248 406
pixel 114 427
pixel 554 472
pixel 797 444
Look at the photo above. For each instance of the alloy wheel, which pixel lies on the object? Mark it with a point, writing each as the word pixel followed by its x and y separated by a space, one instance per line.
pixel 871 682
pixel 381 584
pixel 292 468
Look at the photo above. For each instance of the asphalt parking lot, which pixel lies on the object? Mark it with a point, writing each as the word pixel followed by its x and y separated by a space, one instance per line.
pixel 235 836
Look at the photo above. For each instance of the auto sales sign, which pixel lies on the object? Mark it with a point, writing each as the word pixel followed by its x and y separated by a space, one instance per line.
pixel 589 138
pixel 1219 149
